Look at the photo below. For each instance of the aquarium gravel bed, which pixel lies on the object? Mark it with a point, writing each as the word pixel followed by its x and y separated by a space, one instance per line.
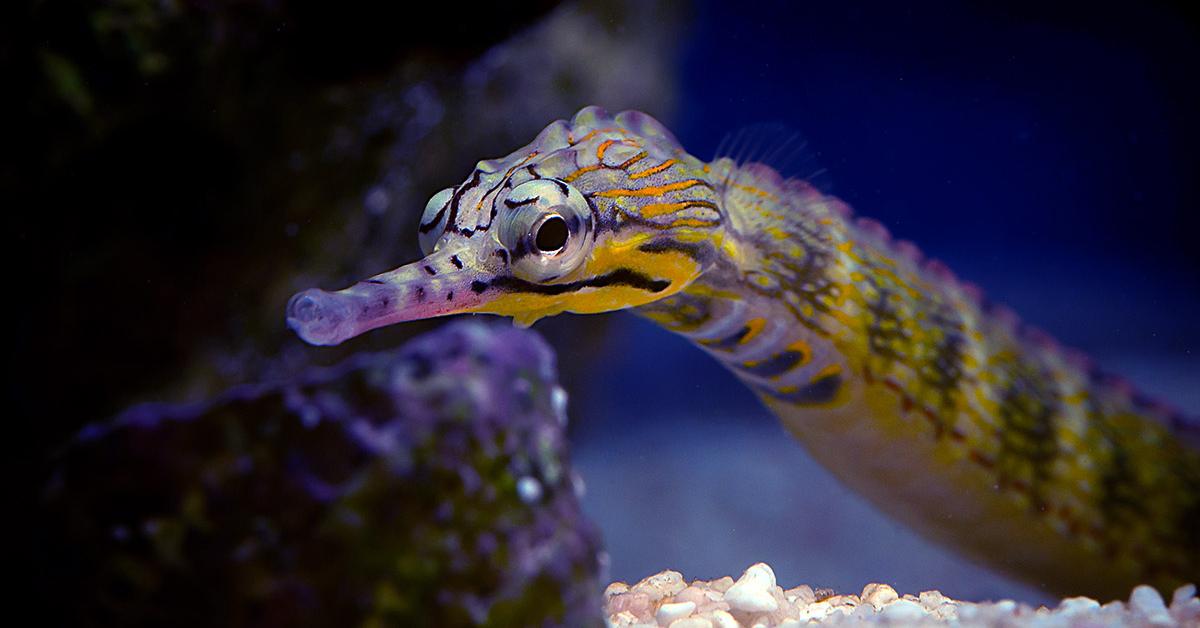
pixel 755 600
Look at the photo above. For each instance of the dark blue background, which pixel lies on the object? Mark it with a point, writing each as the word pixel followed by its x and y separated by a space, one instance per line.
pixel 1045 153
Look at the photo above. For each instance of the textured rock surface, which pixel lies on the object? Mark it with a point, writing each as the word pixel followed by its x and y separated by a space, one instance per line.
pixel 754 599
pixel 428 487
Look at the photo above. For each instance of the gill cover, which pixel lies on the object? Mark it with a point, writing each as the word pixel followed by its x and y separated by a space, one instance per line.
pixel 597 214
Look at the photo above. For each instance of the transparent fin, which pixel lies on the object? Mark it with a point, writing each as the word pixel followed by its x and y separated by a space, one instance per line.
pixel 778 146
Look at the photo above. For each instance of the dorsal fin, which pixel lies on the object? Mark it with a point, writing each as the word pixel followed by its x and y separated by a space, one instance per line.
pixel 778 146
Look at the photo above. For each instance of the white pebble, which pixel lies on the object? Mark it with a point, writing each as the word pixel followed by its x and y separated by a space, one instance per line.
pixel 1007 607
pixel 615 588
pixel 721 584
pixel 1187 611
pixel 722 619
pixel 932 599
pixel 847 602
pixel 626 619
pixel 1076 605
pixel 661 585
pixel 752 592
pixel 878 595
pixel 863 612
pixel 947 611
pixel 804 593
pixel 669 612
pixel 968 611
pixel 1183 594
pixel 815 611
pixel 692 622
pixel 1146 601
pixel 903 611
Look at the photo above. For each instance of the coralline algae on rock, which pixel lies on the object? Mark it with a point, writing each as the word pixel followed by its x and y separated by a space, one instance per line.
pixel 755 600
pixel 429 487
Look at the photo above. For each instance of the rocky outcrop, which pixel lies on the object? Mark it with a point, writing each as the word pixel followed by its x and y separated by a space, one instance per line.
pixel 426 487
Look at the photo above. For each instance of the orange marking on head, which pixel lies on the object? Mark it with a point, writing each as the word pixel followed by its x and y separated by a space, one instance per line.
pixel 587 137
pixel 653 190
pixel 603 148
pixel 655 170
pixel 582 171
pixel 594 132
pixel 632 160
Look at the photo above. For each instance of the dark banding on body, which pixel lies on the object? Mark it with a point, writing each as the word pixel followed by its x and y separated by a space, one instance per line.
pixel 773 366
pixel 680 312
pixel 667 245
pixel 944 371
pixel 619 277
pixel 820 391
pixel 1118 488
pixel 1029 407
pixel 728 342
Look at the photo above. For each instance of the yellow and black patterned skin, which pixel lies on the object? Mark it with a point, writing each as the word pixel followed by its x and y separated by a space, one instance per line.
pixel 940 408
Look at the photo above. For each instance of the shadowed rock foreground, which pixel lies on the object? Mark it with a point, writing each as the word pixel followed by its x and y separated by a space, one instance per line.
pixel 426 487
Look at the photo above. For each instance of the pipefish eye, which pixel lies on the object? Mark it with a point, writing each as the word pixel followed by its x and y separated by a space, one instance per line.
pixel 547 229
pixel 433 220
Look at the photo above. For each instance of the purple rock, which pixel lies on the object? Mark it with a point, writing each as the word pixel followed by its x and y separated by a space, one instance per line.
pixel 394 487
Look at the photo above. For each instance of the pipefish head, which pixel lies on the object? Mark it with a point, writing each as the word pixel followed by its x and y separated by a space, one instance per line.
pixel 597 214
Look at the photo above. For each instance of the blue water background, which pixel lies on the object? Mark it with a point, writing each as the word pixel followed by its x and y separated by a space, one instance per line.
pixel 1047 154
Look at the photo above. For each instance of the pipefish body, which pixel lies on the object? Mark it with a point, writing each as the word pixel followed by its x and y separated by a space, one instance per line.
pixel 939 407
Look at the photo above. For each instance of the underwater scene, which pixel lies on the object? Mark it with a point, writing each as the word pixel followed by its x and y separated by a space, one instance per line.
pixel 605 313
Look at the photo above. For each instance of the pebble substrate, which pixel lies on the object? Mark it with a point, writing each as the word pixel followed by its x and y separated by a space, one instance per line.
pixel 755 600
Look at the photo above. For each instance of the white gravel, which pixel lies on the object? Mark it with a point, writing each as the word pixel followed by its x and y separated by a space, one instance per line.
pixel 755 600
